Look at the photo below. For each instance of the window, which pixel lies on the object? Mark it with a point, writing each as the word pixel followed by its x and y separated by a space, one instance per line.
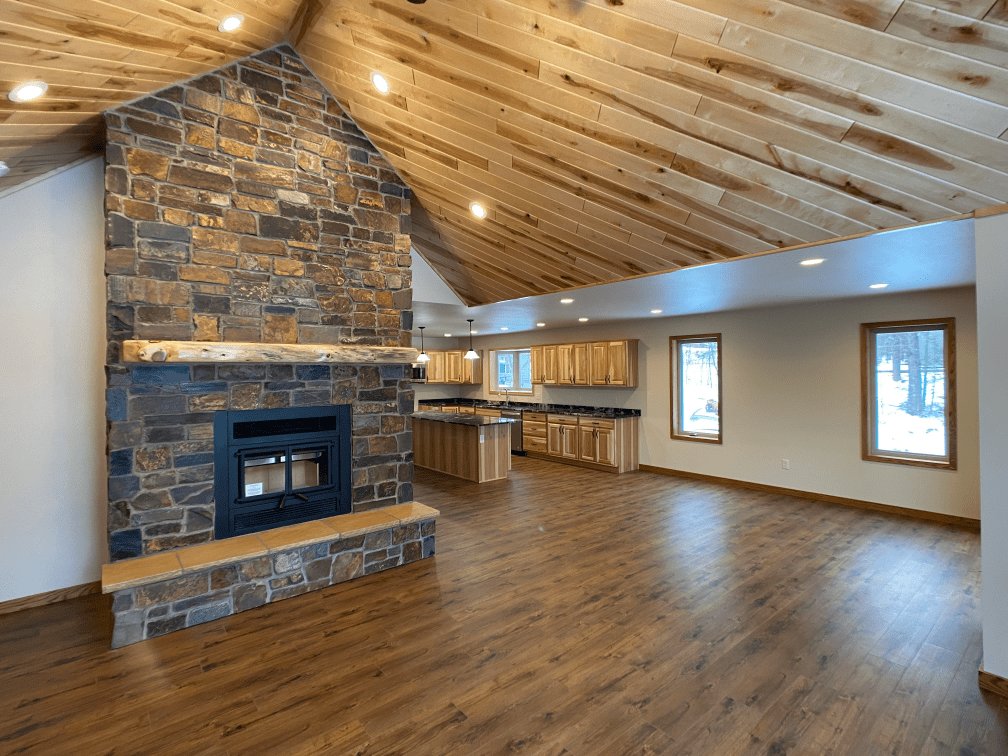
pixel 696 387
pixel 512 370
pixel 908 393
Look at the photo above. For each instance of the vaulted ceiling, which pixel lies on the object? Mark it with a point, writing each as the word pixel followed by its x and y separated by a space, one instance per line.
pixel 606 138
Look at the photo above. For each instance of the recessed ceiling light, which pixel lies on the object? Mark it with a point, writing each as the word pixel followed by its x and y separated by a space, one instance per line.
pixel 540 325
pixel 878 286
pixel 231 23
pixel 447 335
pixel 478 210
pixel 503 328
pixel 812 261
pixel 30 90
pixel 656 312
pixel 4 168
pixel 566 301
pixel 582 320
pixel 380 82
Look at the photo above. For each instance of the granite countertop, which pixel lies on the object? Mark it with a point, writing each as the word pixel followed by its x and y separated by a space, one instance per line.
pixel 610 413
pixel 456 419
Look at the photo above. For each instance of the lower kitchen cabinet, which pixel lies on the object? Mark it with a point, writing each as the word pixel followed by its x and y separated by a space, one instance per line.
pixel 562 436
pixel 599 443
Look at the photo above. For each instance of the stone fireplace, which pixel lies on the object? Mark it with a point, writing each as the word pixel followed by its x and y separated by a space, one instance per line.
pixel 246 206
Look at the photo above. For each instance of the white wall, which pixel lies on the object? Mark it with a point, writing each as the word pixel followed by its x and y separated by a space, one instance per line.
pixel 52 384
pixel 791 391
pixel 992 327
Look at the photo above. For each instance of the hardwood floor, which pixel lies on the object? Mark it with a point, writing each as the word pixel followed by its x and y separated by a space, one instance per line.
pixel 567 611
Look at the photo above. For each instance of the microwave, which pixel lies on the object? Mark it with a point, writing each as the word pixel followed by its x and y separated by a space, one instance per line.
pixel 419 373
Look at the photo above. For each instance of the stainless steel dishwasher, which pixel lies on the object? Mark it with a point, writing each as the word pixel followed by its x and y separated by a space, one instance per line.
pixel 516 429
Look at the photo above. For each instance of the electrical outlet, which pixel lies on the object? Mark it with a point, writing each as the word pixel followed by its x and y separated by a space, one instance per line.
pixel 785 464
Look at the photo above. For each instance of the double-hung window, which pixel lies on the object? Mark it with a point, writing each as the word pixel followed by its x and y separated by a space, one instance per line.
pixel 697 409
pixel 511 369
pixel 908 393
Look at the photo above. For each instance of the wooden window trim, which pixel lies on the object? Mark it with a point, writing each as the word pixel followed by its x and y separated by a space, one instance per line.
pixel 674 342
pixel 868 393
pixel 492 373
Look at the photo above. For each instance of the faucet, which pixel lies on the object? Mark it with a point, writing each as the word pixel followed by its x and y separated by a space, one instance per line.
pixel 507 399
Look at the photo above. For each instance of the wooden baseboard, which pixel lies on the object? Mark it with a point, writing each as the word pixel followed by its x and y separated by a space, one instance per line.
pixel 50 597
pixel 962 522
pixel 991 682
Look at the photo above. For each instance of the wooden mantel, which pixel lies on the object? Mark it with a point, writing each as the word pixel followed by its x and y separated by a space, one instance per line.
pixel 240 351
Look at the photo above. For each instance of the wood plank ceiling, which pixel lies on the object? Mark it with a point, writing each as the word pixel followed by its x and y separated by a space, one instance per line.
pixel 607 138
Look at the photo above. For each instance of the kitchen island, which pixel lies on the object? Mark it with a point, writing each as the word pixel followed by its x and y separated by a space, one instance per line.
pixel 474 447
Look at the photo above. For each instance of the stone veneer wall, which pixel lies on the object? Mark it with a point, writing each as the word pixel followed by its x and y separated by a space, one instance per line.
pixel 244 205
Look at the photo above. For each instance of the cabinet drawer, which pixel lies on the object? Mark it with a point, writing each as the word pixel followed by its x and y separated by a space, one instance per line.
pixel 536 417
pixel 534 443
pixel 531 428
pixel 595 422
pixel 562 420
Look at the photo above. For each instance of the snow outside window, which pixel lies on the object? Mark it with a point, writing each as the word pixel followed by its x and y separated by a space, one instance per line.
pixel 696 387
pixel 909 393
pixel 512 371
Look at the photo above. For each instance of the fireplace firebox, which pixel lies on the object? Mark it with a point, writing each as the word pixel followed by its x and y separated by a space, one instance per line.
pixel 280 467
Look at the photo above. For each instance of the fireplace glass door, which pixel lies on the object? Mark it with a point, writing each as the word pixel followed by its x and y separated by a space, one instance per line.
pixel 290 471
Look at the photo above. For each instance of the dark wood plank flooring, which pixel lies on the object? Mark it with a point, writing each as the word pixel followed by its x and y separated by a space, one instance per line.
pixel 567 612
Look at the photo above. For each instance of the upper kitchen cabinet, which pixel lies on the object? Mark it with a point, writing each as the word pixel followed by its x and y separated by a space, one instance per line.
pixel 597 363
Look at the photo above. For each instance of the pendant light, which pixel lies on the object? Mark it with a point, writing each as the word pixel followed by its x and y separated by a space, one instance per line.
pixel 471 354
pixel 423 356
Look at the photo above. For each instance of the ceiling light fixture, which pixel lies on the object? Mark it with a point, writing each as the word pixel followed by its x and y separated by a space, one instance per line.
pixel 231 23
pixel 566 301
pixel 813 261
pixel 478 210
pixel 582 320
pixel 471 354
pixel 447 335
pixel 380 82
pixel 656 312
pixel 30 90
pixel 504 328
pixel 878 286
pixel 540 325
pixel 4 168
pixel 423 356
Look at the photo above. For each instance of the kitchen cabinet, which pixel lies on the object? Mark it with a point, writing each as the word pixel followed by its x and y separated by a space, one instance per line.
pixel 550 364
pixel 565 364
pixel 472 370
pixel 538 376
pixel 436 367
pixel 562 436
pixel 453 367
pixel 614 363
pixel 579 364
pixel 608 444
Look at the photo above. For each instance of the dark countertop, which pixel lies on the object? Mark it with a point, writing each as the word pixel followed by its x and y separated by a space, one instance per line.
pixel 610 413
pixel 455 418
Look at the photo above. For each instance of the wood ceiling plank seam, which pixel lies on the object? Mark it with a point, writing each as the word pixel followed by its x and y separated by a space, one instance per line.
pixel 70 63
pixel 259 16
pixel 14 13
pixel 124 12
pixel 902 181
pixel 580 217
pixel 961 35
pixel 541 250
pixel 900 89
pixel 971 8
pixel 622 27
pixel 684 18
pixel 746 244
pixel 665 70
pixel 944 69
pixel 479 77
pixel 749 162
pixel 998 14
pixel 436 18
pixel 625 223
pixel 424 39
pixel 652 257
pixel 559 221
pixel 57 78
pixel 124 55
pixel 517 263
pixel 769 217
pixel 872 14
pixel 916 127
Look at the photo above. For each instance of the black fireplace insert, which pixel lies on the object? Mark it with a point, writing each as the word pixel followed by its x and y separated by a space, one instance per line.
pixel 280 466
